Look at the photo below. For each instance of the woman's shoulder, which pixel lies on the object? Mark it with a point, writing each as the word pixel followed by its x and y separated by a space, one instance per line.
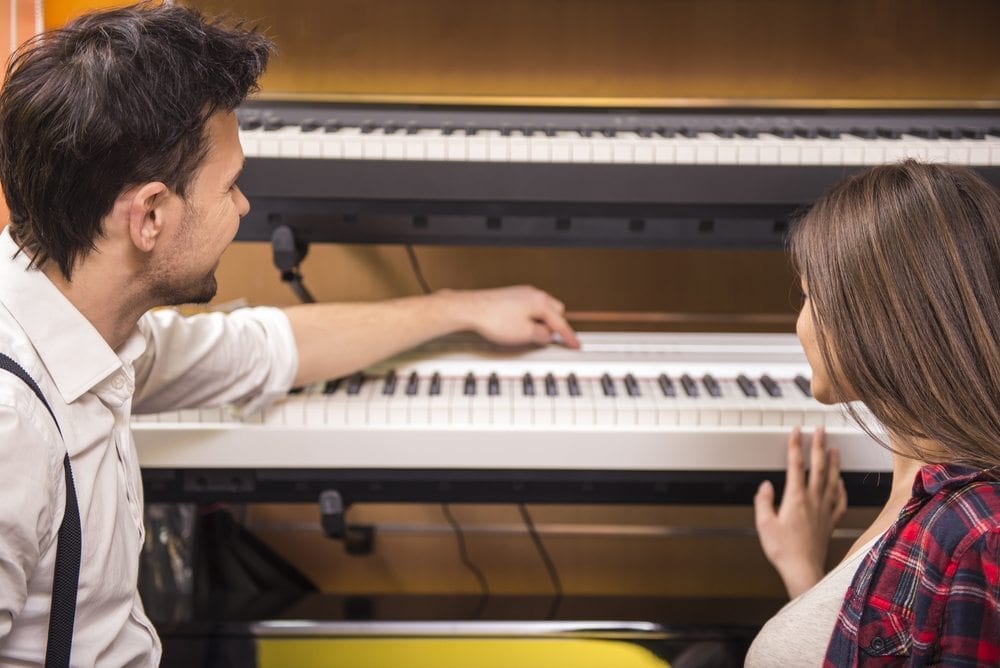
pixel 959 515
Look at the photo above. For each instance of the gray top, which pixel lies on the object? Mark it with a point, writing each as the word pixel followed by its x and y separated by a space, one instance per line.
pixel 799 633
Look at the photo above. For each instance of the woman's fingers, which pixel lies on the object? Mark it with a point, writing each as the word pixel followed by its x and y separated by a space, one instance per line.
pixel 818 463
pixel 795 480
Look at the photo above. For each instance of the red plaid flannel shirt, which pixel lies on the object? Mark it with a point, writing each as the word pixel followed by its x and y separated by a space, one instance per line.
pixel 928 592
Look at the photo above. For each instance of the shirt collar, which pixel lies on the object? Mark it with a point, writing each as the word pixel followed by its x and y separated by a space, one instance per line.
pixel 75 355
pixel 934 478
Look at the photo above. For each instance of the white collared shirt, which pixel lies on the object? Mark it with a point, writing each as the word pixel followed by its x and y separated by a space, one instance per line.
pixel 168 362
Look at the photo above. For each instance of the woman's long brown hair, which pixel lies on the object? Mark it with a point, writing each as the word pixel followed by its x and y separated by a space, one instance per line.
pixel 902 264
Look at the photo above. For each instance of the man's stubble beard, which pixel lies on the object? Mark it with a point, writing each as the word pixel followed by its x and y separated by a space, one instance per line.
pixel 168 287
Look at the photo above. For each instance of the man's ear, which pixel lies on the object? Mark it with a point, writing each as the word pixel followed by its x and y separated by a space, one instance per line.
pixel 146 214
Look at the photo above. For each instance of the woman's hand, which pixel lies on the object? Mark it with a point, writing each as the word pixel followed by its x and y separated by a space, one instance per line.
pixel 796 536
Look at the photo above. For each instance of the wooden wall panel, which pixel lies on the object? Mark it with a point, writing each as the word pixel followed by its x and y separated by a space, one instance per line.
pixel 657 50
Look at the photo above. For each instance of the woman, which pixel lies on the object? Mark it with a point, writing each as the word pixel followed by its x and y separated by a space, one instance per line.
pixel 900 270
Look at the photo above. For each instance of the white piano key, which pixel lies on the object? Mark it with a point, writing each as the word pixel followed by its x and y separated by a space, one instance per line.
pixel 478 149
pixel 810 152
pixel 518 149
pixel 456 147
pixel 539 149
pixel 831 153
pixel 770 153
pixel 644 152
pixel 664 151
pixel 373 145
pixel 600 150
pixel 685 152
pixel 499 149
pixel 874 153
pixel 979 155
pixel 581 151
pixel 311 148
pixel 706 153
pixel 748 153
pixel 789 153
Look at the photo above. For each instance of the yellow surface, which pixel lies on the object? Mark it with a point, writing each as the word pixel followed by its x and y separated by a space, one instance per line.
pixel 453 653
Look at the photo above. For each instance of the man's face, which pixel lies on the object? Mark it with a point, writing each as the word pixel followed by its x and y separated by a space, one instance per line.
pixel 183 270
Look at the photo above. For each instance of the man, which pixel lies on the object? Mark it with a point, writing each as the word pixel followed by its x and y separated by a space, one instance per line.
pixel 119 156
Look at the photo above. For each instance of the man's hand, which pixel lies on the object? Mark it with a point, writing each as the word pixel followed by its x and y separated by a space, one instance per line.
pixel 514 315
pixel 796 537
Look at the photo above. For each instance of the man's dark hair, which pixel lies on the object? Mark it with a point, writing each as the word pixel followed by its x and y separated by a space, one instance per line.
pixel 114 99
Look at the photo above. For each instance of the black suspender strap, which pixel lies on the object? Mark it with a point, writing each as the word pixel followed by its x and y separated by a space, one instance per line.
pixel 67 569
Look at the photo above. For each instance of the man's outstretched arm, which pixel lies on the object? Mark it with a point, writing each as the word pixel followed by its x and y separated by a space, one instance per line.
pixel 339 338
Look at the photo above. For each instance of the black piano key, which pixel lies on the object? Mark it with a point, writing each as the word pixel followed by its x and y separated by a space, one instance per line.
pixel 666 132
pixel 448 128
pixel 608 386
pixel 471 129
pixel 632 386
pixel 332 125
pixel 493 385
pixel 272 122
pixel 331 385
pixel 972 133
pixel 749 133
pixel 804 385
pixel 528 385
pixel 829 132
pixel 711 385
pixel 688 132
pixel 863 132
pixel 551 389
pixel 585 131
pixel 250 122
pixel 770 386
pixel 690 387
pixel 355 382
pixel 806 132
pixel 506 130
pixel 724 132
pixel 924 132
pixel 888 133
pixel 666 385
pixel 747 385
pixel 389 387
pixel 412 384
pixel 412 128
pixel 368 126
pixel 783 132
pixel 469 388
pixel 297 390
pixel 609 132
pixel 950 133
pixel 435 386
pixel 573 385
pixel 995 131
pixel 644 132
pixel 309 125
pixel 390 127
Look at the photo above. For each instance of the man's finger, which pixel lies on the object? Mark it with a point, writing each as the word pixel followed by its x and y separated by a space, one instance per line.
pixel 555 322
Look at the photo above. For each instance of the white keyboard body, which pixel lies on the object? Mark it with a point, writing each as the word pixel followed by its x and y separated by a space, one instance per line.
pixel 638 428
